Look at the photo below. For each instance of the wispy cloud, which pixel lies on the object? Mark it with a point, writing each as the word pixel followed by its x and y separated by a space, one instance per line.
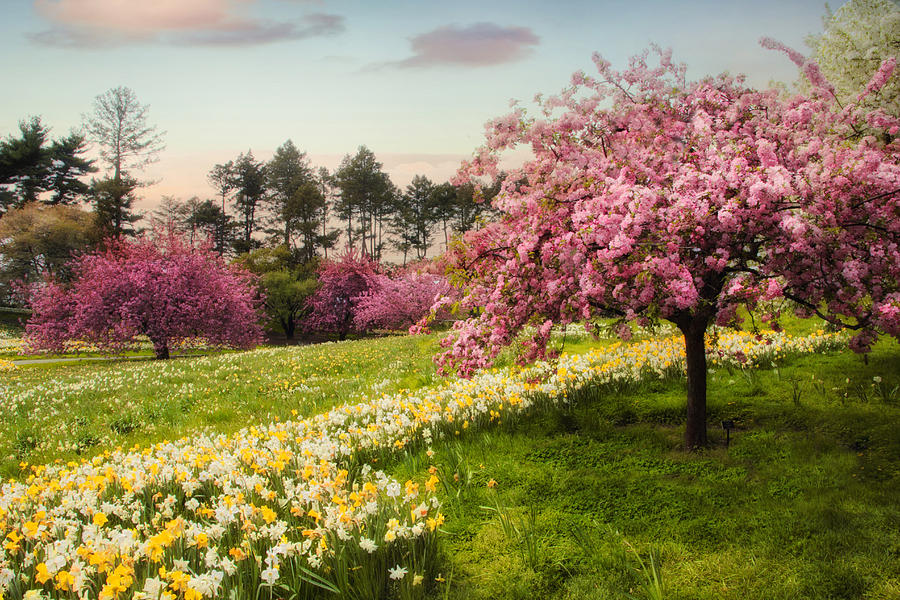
pixel 256 32
pixel 476 45
pixel 99 23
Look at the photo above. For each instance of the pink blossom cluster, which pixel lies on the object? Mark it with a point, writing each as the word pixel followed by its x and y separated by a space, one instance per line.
pixel 161 287
pixel 650 197
pixel 400 301
pixel 341 282
pixel 356 296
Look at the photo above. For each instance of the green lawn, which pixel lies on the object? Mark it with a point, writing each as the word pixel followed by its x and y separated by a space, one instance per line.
pixel 803 503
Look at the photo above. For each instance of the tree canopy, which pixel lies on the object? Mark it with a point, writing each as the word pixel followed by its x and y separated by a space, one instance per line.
pixel 286 284
pixel 127 143
pixel 38 241
pixel 651 197
pixel 856 39
pixel 341 283
pixel 32 167
pixel 162 288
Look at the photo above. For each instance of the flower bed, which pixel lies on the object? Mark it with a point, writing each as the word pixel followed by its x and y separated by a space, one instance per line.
pixel 292 507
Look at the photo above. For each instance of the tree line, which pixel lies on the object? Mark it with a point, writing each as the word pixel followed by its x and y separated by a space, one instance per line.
pixel 283 202
pixel 287 201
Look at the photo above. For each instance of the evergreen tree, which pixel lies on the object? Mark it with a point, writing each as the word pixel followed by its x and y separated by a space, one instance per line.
pixel 113 201
pixel 415 217
pixel 473 205
pixel 366 199
pixel 23 164
pixel 66 168
pixel 444 203
pixel 31 166
pixel 295 199
pixel 203 219
pixel 250 189
pixel 329 236
pixel 222 178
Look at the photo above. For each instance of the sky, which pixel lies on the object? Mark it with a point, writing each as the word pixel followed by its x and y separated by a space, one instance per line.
pixel 413 80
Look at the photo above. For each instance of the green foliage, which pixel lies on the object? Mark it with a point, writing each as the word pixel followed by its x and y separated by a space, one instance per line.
pixel 113 201
pixel 366 200
pixel 415 217
pixel 856 39
pixel 38 240
pixel 248 177
pixel 32 170
pixel 460 209
pixel 296 200
pixel 286 283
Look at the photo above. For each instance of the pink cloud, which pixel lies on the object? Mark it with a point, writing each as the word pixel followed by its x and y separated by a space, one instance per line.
pixel 480 44
pixel 136 16
pixel 94 23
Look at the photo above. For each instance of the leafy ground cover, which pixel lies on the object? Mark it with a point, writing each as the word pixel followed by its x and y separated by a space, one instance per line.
pixel 562 499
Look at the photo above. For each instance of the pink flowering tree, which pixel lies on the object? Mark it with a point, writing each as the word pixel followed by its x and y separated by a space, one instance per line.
pixel 650 197
pixel 341 283
pixel 399 301
pixel 162 288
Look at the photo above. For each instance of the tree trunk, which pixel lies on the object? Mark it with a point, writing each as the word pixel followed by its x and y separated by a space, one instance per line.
pixel 694 331
pixel 161 347
pixel 289 326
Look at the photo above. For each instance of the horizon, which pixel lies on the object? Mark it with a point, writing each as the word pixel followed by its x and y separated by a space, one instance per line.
pixel 414 83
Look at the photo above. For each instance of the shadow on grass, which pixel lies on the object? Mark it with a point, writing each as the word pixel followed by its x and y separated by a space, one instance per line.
pixel 803 503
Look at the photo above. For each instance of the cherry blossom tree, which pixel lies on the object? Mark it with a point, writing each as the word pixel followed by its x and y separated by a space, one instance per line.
pixel 651 197
pixel 400 301
pixel 162 288
pixel 341 283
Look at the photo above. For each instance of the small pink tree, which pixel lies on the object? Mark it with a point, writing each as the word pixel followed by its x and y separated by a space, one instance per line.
pixel 162 288
pixel 400 301
pixel 651 197
pixel 341 283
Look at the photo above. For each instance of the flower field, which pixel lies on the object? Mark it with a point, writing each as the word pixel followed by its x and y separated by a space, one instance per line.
pixel 293 507
pixel 72 410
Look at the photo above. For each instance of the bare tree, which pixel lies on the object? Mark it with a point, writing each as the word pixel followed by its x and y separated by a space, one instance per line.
pixel 119 127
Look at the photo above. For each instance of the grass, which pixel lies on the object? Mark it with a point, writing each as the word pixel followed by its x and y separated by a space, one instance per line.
pixel 596 500
pixel 67 410
pixel 600 501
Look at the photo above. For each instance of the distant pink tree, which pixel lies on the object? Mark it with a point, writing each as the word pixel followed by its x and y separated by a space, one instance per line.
pixel 162 288
pixel 341 283
pixel 651 197
pixel 399 301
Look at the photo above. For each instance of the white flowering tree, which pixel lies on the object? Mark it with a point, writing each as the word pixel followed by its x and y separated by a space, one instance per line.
pixel 856 39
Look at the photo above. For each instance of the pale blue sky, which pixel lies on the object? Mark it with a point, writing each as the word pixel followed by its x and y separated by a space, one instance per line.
pixel 413 80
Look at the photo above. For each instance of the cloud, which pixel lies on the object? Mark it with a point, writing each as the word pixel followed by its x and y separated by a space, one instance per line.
pixel 253 33
pixel 98 23
pixel 477 45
